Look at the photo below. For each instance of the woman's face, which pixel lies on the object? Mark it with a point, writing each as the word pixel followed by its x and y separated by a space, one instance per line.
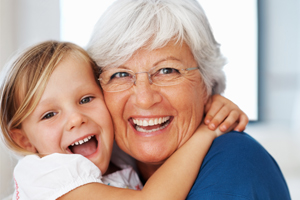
pixel 181 105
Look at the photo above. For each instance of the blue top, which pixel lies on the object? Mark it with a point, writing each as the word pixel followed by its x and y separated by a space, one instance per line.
pixel 238 167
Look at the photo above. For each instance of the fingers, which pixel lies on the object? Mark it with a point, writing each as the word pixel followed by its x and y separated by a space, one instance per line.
pixel 212 112
pixel 234 121
pixel 220 115
pixel 227 124
pixel 219 132
pixel 243 121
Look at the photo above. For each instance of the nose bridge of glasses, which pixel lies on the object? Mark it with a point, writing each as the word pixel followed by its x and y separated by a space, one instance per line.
pixel 148 75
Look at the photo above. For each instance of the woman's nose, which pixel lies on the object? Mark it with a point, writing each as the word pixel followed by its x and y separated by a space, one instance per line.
pixel 145 95
pixel 75 120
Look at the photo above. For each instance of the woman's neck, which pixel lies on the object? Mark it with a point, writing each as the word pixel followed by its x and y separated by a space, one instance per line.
pixel 146 170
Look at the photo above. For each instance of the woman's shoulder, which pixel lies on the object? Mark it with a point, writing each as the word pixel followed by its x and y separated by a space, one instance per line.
pixel 238 152
pixel 237 141
pixel 238 167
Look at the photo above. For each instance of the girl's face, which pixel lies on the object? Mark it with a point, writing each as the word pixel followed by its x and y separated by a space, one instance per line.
pixel 72 117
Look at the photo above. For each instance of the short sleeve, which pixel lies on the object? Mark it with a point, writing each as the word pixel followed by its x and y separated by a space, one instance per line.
pixel 52 176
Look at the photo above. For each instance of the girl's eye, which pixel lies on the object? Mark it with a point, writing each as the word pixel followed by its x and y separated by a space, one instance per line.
pixel 86 100
pixel 48 115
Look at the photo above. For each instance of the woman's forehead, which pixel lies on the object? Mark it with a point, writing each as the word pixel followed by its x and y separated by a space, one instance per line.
pixel 177 52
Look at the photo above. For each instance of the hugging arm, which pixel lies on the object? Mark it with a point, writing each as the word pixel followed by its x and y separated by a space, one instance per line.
pixel 167 182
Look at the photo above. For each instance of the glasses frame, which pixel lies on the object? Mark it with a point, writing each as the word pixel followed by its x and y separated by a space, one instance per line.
pixel 150 73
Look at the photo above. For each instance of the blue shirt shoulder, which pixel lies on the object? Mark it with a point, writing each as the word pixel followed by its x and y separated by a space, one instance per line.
pixel 238 167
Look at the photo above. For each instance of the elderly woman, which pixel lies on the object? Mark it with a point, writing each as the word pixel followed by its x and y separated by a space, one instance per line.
pixel 160 64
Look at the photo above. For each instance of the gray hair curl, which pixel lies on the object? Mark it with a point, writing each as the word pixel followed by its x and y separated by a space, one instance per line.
pixel 129 25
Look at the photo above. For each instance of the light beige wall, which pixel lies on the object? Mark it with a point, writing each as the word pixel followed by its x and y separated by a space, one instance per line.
pixel 6 48
pixel 23 23
pixel 7 33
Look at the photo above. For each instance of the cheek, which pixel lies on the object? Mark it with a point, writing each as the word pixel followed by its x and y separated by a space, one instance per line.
pixel 115 103
pixel 188 101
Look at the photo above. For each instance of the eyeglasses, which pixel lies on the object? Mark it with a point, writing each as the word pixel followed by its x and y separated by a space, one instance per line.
pixel 118 79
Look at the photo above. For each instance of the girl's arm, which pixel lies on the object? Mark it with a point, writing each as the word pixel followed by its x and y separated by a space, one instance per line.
pixel 223 113
pixel 173 180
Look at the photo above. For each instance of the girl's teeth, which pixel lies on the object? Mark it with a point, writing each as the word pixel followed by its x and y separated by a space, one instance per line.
pixel 82 141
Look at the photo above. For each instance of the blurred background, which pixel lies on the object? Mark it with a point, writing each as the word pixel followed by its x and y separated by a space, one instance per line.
pixel 260 38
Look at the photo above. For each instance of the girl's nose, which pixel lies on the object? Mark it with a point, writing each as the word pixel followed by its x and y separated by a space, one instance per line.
pixel 75 120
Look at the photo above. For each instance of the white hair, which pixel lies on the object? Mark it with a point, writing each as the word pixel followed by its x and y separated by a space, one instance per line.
pixel 129 25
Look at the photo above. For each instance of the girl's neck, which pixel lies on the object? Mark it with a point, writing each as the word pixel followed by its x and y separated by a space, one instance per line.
pixel 112 168
pixel 146 170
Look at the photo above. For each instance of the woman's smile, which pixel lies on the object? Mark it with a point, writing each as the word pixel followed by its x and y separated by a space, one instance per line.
pixel 149 125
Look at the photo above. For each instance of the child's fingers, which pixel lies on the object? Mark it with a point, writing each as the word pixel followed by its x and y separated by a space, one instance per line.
pixel 232 118
pixel 243 121
pixel 221 132
pixel 220 117
pixel 214 109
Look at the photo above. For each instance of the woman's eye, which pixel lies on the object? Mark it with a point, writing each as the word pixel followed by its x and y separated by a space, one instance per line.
pixel 120 75
pixel 48 115
pixel 167 71
pixel 86 100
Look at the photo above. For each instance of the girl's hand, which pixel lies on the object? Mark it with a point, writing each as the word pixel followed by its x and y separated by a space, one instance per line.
pixel 223 113
pixel 204 131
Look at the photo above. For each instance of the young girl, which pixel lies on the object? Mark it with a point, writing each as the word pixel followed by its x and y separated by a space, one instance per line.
pixel 53 111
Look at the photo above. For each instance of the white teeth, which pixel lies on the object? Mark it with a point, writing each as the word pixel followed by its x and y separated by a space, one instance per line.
pixel 145 123
pixel 150 122
pixel 140 129
pixel 79 142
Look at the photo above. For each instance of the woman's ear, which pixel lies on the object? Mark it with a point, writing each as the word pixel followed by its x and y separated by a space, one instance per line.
pixel 22 140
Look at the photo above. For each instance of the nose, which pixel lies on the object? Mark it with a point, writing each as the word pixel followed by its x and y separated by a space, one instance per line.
pixel 75 120
pixel 145 96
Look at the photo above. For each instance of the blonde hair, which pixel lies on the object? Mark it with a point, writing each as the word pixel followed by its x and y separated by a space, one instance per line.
pixel 26 80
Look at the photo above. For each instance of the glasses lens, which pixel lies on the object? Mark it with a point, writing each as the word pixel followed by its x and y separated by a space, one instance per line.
pixel 167 75
pixel 116 79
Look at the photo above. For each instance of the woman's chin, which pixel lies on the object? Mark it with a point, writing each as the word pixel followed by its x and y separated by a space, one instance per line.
pixel 151 156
